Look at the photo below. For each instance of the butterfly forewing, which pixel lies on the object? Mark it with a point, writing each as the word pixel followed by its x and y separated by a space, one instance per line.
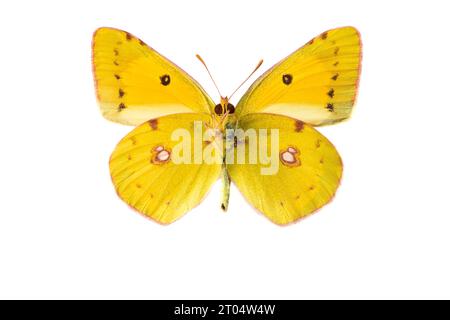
pixel 135 83
pixel 316 84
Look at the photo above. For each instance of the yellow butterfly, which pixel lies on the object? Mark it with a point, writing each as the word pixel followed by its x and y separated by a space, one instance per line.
pixel 316 85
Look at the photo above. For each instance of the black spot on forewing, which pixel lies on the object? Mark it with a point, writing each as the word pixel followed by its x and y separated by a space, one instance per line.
pixel 335 77
pixel 165 79
pixel 121 93
pixel 121 107
pixel 330 107
pixel 331 93
pixel 287 79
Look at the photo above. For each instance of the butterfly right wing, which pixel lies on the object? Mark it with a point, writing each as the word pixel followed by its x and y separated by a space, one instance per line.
pixel 135 83
pixel 302 177
pixel 316 84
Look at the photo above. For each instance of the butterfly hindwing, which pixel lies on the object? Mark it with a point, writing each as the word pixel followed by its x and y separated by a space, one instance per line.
pixel 147 178
pixel 316 84
pixel 135 83
pixel 309 169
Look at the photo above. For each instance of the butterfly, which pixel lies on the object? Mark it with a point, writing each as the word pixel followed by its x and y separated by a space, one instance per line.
pixel 314 86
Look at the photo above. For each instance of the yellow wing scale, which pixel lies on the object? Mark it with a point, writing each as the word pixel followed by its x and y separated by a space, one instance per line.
pixel 135 83
pixel 306 180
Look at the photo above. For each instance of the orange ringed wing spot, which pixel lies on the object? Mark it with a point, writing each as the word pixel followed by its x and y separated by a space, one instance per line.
pixel 290 157
pixel 160 155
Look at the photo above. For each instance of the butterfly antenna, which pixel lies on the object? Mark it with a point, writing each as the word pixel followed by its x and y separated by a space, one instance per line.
pixel 204 64
pixel 254 70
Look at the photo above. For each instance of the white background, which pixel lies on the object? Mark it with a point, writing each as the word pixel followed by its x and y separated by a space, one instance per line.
pixel 65 234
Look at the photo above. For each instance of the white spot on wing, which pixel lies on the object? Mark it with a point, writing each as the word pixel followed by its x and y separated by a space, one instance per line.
pixel 288 157
pixel 163 156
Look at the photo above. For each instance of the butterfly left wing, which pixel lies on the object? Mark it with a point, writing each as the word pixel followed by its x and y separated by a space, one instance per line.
pixel 316 84
pixel 304 174
pixel 135 83
pixel 147 175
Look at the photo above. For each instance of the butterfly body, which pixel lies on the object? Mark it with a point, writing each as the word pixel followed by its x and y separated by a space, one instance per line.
pixel 183 141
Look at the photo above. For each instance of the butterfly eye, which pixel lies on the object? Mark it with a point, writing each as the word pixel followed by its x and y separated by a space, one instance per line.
pixel 218 109
pixel 230 108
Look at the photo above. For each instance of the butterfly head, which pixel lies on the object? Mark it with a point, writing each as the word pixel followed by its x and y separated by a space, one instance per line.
pixel 222 113
pixel 224 107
